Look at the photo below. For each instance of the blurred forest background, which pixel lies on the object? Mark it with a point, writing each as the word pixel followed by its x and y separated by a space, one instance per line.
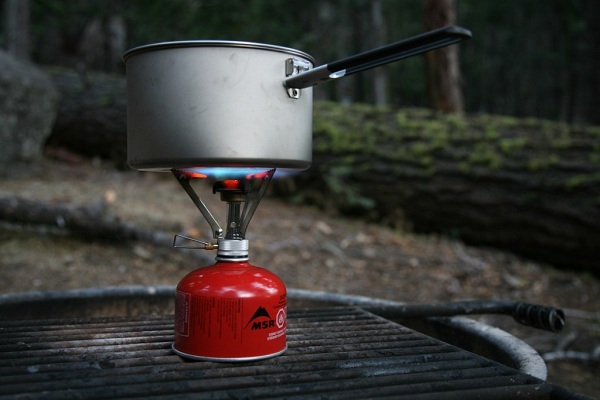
pixel 528 59
pixel 494 141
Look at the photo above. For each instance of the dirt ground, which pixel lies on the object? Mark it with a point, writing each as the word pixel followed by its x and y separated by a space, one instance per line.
pixel 306 247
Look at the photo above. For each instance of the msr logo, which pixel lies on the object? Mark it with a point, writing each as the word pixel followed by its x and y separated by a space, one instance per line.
pixel 265 322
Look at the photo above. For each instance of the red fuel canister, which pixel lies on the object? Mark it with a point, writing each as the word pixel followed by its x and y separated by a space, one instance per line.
pixel 230 311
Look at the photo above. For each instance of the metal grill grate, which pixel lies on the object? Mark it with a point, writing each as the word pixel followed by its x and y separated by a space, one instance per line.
pixel 333 353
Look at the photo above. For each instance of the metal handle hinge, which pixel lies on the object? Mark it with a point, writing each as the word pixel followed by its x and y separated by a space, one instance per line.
pixel 294 66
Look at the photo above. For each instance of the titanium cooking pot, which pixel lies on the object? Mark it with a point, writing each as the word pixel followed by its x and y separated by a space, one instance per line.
pixel 194 104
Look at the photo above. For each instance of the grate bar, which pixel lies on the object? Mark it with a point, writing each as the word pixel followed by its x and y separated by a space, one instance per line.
pixel 339 352
pixel 145 366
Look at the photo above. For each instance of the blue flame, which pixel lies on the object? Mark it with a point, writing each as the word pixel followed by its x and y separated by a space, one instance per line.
pixel 222 173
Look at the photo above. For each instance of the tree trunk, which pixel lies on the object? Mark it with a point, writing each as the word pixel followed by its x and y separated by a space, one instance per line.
pixel 380 76
pixel 442 66
pixel 16 28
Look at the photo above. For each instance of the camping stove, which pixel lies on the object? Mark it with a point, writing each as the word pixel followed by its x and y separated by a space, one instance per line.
pixel 241 109
pixel 231 310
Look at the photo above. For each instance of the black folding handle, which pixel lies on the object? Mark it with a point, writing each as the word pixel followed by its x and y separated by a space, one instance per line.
pixel 383 55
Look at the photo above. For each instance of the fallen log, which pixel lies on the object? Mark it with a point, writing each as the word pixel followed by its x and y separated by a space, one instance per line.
pixel 529 186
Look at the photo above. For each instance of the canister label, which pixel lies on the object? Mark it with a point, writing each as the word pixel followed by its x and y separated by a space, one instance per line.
pixel 230 327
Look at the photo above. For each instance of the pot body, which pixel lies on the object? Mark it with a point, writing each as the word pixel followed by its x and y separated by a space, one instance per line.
pixel 230 311
pixel 215 104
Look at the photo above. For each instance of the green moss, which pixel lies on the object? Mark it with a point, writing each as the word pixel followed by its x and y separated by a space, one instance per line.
pixel 456 122
pixel 464 167
pixel 508 121
pixel 419 149
pixel 531 122
pixel 491 132
pixel 593 130
pixel 484 155
pixel 106 100
pixel 542 163
pixel 509 145
pixel 594 156
pixel 583 179
pixel 409 127
pixel 343 130
pixel 337 182
pixel 560 136
pixel 561 143
pixel 421 140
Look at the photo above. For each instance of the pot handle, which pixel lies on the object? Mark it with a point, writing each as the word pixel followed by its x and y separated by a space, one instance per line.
pixel 383 55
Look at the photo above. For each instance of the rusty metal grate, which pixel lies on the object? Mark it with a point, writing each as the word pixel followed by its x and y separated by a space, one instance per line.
pixel 333 353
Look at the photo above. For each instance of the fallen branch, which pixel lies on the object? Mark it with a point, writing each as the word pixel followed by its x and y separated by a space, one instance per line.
pixel 85 222
pixel 88 221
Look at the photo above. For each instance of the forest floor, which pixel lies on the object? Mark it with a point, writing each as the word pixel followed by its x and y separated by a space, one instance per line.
pixel 307 248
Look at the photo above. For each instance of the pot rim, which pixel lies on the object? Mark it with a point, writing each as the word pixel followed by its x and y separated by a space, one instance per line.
pixel 216 43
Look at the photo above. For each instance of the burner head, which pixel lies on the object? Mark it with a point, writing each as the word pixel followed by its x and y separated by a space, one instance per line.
pixel 233 190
